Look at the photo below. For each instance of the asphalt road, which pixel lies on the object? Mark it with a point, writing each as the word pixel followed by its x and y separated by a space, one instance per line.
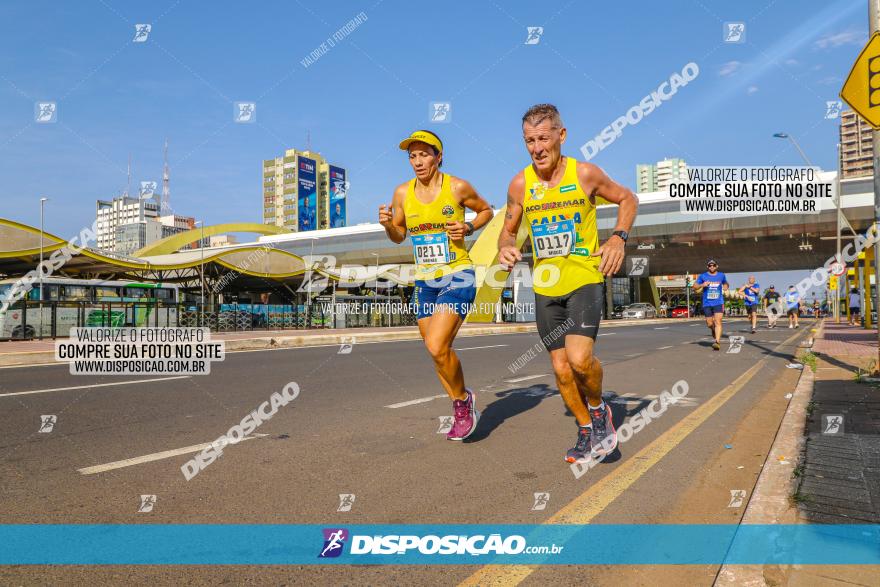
pixel 366 423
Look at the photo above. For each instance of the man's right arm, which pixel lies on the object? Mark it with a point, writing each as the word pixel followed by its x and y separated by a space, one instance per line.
pixel 508 252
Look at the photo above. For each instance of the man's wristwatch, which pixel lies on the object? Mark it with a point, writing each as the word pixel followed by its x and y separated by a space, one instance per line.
pixel 471 229
pixel 622 234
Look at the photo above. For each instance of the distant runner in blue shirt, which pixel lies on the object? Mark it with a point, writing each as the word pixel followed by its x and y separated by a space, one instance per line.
pixel 713 284
pixel 793 304
pixel 752 293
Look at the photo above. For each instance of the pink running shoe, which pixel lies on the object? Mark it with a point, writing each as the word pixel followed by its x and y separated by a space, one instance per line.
pixel 466 418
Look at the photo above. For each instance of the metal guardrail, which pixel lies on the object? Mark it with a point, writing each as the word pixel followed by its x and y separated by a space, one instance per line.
pixel 29 319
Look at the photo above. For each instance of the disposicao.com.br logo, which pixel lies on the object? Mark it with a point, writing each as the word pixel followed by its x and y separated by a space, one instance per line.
pixel 431 544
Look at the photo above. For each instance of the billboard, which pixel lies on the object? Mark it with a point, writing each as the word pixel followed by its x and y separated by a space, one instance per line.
pixel 338 191
pixel 306 194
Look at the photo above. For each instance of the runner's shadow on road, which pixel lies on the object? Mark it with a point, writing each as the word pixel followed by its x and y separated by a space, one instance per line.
pixel 510 403
pixel 768 349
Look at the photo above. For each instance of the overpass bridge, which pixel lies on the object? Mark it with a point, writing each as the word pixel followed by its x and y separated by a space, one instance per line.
pixel 673 242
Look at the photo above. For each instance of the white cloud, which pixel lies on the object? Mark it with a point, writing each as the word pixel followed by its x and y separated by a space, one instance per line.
pixel 792 62
pixel 729 68
pixel 829 80
pixel 848 37
pixel 751 90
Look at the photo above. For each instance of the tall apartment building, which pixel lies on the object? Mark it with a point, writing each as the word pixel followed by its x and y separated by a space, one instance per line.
pixel 657 177
pixel 856 151
pixel 302 191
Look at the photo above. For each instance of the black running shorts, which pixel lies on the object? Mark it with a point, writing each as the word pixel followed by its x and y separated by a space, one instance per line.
pixel 578 312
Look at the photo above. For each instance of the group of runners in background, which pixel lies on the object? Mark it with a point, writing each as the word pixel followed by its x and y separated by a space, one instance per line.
pixel 714 285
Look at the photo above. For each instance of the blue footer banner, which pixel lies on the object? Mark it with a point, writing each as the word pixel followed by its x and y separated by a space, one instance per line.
pixel 478 544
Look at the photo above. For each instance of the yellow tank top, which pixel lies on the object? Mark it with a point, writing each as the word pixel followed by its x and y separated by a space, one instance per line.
pixel 562 226
pixel 435 254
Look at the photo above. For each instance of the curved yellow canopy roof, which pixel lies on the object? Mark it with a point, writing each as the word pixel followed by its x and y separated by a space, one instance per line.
pixel 175 242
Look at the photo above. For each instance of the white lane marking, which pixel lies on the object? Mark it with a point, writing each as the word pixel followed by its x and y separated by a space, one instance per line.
pixel 526 378
pixel 661 328
pixel 94 385
pixel 607 333
pixel 413 402
pixel 473 348
pixel 635 355
pixel 157 456
pixel 663 348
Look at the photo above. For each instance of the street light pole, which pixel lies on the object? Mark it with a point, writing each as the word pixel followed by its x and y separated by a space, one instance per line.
pixel 201 225
pixel 377 274
pixel 309 288
pixel 376 305
pixel 837 201
pixel 40 266
pixel 782 135
pixel 874 26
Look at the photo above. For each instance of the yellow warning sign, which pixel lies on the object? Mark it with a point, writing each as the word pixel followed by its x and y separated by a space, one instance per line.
pixel 862 88
pixel 832 283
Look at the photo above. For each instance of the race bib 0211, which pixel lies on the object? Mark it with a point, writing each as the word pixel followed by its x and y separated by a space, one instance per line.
pixel 431 249
pixel 553 240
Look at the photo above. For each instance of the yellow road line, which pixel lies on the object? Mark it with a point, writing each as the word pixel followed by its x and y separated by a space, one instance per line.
pixel 588 505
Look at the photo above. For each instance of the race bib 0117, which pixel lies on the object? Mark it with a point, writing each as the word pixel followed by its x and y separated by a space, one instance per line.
pixel 553 240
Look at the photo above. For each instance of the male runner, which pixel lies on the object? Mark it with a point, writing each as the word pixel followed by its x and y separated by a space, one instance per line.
pixel 713 284
pixel 770 299
pixel 793 305
pixel 557 195
pixel 752 293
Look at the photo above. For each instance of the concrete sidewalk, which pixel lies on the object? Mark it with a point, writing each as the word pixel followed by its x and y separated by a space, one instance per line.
pixel 839 471
pixel 836 479
pixel 43 351
pixel 840 483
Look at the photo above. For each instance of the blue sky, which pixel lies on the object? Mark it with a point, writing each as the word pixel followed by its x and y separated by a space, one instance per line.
pixel 594 61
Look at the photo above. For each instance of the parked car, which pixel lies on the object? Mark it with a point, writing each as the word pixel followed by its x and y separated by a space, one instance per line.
pixel 617 313
pixel 680 312
pixel 640 311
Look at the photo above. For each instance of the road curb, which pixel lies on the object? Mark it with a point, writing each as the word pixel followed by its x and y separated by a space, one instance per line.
pixel 769 502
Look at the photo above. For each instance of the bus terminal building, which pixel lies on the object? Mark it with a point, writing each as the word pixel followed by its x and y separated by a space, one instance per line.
pixel 283 268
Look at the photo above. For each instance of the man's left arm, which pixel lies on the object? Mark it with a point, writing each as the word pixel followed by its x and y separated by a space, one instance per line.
pixel 596 183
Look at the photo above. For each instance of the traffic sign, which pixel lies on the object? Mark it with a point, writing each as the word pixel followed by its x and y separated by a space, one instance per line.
pixel 862 87
pixel 838 269
pixel 832 283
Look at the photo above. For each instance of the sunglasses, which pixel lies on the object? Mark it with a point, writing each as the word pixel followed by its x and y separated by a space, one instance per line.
pixel 711 265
